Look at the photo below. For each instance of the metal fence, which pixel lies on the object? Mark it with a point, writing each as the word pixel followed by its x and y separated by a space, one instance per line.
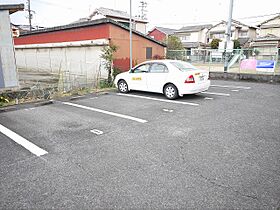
pixel 240 60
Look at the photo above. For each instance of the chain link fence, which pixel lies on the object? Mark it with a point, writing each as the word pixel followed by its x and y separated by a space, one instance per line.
pixel 240 60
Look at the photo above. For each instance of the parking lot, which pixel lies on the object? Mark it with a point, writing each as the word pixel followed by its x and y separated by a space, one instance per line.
pixel 217 149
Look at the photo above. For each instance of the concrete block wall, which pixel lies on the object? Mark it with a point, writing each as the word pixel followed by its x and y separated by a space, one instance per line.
pixel 82 60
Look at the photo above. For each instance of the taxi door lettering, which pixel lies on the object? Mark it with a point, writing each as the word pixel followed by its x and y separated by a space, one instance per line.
pixel 136 78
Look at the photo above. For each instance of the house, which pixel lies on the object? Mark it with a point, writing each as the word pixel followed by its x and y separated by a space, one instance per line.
pixel 193 37
pixel 239 31
pixel 270 26
pixel 266 47
pixel 118 16
pixel 267 44
pixel 161 33
pixel 15 30
pixel 19 29
pixel 76 48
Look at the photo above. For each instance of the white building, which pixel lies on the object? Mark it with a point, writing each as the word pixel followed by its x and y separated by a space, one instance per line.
pixel 119 16
pixel 193 36
pixel 239 31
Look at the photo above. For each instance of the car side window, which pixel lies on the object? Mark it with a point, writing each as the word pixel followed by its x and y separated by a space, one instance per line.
pixel 142 68
pixel 158 68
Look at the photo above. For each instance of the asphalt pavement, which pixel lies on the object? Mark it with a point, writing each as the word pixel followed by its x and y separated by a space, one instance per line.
pixel 218 149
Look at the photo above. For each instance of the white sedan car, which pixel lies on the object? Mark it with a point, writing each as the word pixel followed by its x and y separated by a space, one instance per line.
pixel 173 78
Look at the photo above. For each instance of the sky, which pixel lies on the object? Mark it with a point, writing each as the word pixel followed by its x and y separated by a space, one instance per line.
pixel 166 13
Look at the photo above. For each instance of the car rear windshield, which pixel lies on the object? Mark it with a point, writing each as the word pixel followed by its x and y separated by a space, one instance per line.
pixel 183 66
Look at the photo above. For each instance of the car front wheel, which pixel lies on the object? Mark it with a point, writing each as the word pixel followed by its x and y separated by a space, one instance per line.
pixel 122 86
pixel 170 91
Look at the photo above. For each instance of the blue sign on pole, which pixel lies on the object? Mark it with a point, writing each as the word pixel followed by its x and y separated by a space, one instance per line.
pixel 265 65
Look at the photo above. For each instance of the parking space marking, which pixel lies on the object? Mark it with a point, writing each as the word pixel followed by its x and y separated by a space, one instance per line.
pixel 158 99
pixel 29 109
pixel 106 112
pixel 235 90
pixel 22 141
pixel 218 94
pixel 232 86
pixel 168 110
pixel 97 132
pixel 207 98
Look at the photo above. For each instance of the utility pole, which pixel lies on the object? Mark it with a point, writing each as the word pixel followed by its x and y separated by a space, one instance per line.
pixel 228 35
pixel 29 14
pixel 130 36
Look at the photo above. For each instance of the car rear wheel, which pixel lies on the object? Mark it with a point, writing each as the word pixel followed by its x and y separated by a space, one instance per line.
pixel 122 86
pixel 170 91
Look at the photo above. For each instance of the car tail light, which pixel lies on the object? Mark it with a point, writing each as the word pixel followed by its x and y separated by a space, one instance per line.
pixel 190 79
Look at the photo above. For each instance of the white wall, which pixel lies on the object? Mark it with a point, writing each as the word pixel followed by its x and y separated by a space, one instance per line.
pixel 78 60
pixel 8 73
pixel 141 27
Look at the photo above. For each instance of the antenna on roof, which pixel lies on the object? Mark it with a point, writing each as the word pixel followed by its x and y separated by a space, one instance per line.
pixel 143 10
pixel 30 14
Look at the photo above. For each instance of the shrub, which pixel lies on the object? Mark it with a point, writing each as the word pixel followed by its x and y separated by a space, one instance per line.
pixel 3 100
pixel 215 43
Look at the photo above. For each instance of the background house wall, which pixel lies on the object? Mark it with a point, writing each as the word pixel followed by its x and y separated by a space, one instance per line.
pixel 238 31
pixel 271 27
pixel 120 38
pixel 75 34
pixel 157 35
pixel 142 27
pixel 77 50
pixel 188 36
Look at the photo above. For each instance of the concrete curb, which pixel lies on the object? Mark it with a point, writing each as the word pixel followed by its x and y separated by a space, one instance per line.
pixel 48 102
pixel 25 106
pixel 264 78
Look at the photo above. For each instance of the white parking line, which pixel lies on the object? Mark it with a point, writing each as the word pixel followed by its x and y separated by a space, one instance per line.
pixel 168 110
pixel 207 98
pixel 218 94
pixel 235 90
pixel 106 112
pixel 158 99
pixel 231 86
pixel 97 132
pixel 22 141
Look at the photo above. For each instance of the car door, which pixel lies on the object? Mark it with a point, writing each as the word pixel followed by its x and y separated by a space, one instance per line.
pixel 157 77
pixel 138 77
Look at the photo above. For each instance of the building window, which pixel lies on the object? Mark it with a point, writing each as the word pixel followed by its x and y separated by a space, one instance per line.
pixel 185 38
pixel 243 33
pixel 149 52
pixel 218 36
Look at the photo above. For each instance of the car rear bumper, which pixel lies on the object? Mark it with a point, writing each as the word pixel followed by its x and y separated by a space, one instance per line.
pixel 194 88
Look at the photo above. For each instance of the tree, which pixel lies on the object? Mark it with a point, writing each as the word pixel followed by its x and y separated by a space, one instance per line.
pixel 174 43
pixel 215 43
pixel 108 56
pixel 236 44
